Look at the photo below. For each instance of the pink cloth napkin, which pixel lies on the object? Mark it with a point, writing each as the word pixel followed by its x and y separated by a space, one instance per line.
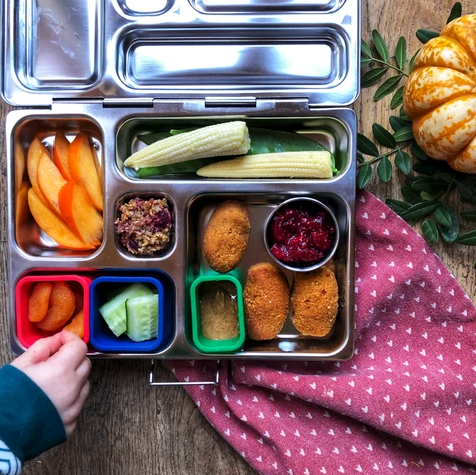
pixel 405 403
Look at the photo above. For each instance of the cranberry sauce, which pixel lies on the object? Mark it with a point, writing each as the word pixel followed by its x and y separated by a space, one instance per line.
pixel 301 234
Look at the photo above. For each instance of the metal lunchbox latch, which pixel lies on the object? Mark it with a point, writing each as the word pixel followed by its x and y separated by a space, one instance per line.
pixel 215 382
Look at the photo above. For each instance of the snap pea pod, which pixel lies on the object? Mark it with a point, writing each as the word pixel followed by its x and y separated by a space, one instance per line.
pixel 262 141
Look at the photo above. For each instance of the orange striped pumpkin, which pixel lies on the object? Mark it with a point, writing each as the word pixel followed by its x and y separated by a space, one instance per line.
pixel 440 95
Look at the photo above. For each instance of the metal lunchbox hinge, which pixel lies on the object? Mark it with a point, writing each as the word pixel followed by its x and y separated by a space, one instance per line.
pixel 287 106
pixel 230 102
pixel 113 102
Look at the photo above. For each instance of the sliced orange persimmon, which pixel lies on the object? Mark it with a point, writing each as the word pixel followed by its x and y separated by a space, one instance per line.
pixel 20 164
pixel 50 181
pixel 80 214
pixel 61 155
pixel 53 225
pixel 83 168
pixel 21 207
pixel 35 151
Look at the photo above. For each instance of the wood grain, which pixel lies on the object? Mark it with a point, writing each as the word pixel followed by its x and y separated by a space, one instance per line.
pixel 127 427
pixel 394 19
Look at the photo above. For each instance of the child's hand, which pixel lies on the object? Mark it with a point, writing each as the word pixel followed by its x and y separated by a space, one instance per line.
pixel 58 365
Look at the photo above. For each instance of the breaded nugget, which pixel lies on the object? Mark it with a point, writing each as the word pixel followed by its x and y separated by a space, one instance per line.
pixel 226 236
pixel 315 300
pixel 266 301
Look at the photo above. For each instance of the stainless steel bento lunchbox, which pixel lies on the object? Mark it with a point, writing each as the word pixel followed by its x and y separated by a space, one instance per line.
pixel 122 68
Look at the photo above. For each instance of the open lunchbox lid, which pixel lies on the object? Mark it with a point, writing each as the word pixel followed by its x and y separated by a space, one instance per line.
pixel 130 52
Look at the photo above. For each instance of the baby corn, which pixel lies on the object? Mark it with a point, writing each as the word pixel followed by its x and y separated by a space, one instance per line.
pixel 230 138
pixel 314 164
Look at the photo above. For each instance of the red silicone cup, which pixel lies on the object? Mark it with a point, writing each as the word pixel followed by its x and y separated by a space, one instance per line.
pixel 28 332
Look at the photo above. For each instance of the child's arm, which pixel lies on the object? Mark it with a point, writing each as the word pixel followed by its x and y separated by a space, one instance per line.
pixel 42 393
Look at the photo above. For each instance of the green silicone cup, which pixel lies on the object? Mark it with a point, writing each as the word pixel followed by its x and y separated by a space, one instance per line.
pixel 216 346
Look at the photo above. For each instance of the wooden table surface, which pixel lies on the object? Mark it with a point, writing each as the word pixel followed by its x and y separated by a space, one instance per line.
pixel 128 427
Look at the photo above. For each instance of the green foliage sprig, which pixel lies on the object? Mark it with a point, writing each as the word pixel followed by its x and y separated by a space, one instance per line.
pixel 429 183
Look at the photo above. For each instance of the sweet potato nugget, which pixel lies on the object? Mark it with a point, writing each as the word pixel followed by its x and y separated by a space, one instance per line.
pixel 266 300
pixel 226 236
pixel 39 301
pixel 61 309
pixel 315 300
pixel 76 325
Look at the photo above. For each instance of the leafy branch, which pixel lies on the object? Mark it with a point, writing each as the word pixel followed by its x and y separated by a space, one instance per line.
pixel 428 190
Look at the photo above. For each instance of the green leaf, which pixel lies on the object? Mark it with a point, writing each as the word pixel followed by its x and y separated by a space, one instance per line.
pixel 396 123
pixel 365 49
pixel 383 136
pixel 372 77
pixel 411 195
pixel 420 210
pixel 442 216
pixel 428 169
pixel 401 52
pixel 469 214
pixel 430 185
pixel 365 62
pixel 360 157
pixel 404 134
pixel 455 12
pixel 397 205
pixel 384 169
pixel 444 176
pixel 466 189
pixel 397 99
pixel 411 180
pixel 412 61
pixel 403 115
pixel 366 146
pixel 418 153
pixel 432 196
pixel 450 234
pixel 426 35
pixel 468 239
pixel 387 87
pixel 364 175
pixel 380 45
pixel 403 162
pixel 149 139
pixel 430 230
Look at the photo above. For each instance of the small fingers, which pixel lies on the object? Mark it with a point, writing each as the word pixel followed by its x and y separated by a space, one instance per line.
pixel 69 428
pixel 73 352
pixel 69 417
pixel 40 351
pixel 83 370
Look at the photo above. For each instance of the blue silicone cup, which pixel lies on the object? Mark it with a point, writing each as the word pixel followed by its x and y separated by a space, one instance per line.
pixel 101 337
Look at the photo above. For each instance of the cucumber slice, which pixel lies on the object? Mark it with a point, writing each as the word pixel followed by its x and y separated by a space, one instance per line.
pixel 114 310
pixel 142 317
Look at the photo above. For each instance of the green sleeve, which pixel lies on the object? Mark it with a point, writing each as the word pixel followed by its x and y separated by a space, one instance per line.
pixel 29 422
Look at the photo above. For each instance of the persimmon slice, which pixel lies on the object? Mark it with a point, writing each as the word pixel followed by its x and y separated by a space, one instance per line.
pixel 61 155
